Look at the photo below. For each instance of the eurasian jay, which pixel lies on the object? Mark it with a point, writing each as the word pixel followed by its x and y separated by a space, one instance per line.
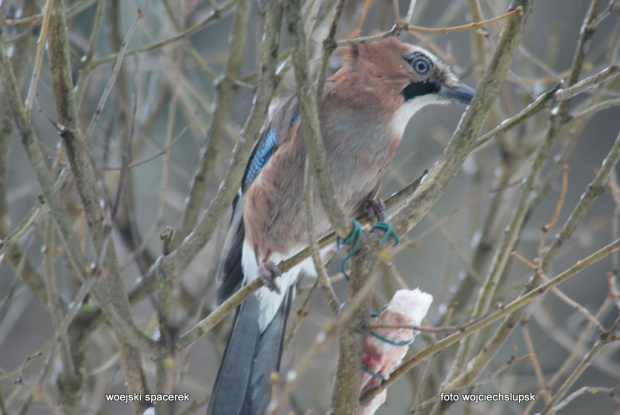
pixel 366 107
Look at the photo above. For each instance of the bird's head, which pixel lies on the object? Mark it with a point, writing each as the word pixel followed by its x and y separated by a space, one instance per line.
pixel 398 78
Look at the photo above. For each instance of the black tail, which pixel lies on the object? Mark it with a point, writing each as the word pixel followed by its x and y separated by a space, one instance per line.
pixel 243 384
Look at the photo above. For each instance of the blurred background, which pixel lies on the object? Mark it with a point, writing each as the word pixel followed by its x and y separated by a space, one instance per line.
pixel 155 117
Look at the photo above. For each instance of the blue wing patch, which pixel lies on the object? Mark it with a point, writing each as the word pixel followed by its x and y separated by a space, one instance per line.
pixel 261 155
pixel 294 119
pixel 263 152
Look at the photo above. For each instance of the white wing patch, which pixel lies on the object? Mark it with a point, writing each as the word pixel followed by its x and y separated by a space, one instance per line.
pixel 269 301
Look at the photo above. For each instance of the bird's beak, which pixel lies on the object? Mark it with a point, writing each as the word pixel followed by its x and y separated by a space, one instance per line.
pixel 460 93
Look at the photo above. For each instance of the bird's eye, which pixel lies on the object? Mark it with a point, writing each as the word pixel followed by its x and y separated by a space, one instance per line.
pixel 420 63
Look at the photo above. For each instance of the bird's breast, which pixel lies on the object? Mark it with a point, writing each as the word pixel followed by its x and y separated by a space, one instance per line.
pixel 358 147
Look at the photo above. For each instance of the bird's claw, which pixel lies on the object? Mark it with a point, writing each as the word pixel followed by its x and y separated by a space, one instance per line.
pixel 375 209
pixel 268 272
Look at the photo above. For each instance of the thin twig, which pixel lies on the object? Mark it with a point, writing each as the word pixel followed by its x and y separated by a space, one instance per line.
pixel 226 92
pixel 594 189
pixel 590 390
pixel 315 252
pixel 603 341
pixel 311 127
pixel 505 311
pixel 517 11
pixel 305 362
pixel 215 15
pixel 588 83
pixel 116 70
pixel 38 60
pixel 72 11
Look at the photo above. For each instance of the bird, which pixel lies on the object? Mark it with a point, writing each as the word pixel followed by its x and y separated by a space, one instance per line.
pixel 365 108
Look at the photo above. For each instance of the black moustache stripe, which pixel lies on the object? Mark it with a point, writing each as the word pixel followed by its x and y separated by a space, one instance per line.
pixel 418 89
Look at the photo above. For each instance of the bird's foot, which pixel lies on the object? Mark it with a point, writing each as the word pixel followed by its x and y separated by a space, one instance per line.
pixel 268 272
pixel 375 209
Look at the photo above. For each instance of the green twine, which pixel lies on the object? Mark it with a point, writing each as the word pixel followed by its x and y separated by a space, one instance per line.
pixel 354 238
pixel 372 373
pixel 355 235
pixel 388 341
pixel 393 343
pixel 389 231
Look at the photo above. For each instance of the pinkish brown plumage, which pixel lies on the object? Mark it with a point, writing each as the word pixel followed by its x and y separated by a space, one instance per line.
pixel 366 106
